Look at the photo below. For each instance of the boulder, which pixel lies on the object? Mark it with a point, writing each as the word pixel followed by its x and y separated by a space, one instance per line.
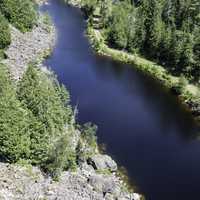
pixel 102 162
pixel 136 196
pixel 105 184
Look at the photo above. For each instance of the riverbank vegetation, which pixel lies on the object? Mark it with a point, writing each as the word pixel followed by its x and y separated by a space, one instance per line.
pixel 167 32
pixel 37 122
pixel 161 38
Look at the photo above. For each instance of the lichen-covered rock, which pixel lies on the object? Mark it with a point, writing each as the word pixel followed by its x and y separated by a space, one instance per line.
pixel 103 162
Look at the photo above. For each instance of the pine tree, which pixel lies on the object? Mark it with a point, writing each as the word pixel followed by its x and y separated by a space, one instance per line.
pixel 15 122
pixel 45 99
pixel 5 36
pixel 21 13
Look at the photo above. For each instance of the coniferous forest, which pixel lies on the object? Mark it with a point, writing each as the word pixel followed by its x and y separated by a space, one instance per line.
pixel 165 31
pixel 37 123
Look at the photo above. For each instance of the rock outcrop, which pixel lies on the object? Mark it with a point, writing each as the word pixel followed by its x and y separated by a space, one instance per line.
pixel 28 47
pixel 103 162
pixel 17 183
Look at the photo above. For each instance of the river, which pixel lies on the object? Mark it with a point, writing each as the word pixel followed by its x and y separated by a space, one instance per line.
pixel 144 127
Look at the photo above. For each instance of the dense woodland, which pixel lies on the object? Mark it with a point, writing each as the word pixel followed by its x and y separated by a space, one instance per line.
pixel 33 117
pixel 166 31
pixel 37 123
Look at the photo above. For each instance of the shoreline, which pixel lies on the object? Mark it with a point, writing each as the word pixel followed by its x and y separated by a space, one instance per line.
pixel 188 94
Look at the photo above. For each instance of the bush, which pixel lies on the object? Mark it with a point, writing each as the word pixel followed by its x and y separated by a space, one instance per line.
pixel 21 13
pixel 89 6
pixel 89 134
pixel 180 86
pixel 5 36
pixel 61 157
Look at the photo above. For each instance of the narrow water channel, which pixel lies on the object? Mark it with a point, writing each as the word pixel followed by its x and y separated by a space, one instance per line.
pixel 144 127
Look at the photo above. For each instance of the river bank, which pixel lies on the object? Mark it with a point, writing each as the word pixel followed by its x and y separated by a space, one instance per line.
pixel 188 94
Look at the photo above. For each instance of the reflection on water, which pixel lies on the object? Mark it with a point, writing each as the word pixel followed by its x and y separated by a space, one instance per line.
pixel 143 126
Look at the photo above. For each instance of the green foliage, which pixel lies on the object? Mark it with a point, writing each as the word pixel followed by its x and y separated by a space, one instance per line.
pixel 21 13
pixel 179 88
pixel 61 157
pixel 165 30
pixel 5 36
pixel 15 122
pixel 89 134
pixel 89 6
pixel 35 121
pixel 47 21
pixel 119 26
pixel 87 144
pixel 43 96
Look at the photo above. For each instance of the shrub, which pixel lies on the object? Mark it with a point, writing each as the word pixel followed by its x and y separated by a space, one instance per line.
pixel 61 157
pixel 89 134
pixel 5 36
pixel 21 13
pixel 180 86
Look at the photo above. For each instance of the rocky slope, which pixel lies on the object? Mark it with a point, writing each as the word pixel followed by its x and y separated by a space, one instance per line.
pixel 17 183
pixel 29 47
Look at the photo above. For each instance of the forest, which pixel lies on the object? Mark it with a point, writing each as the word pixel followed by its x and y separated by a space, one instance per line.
pixel 37 123
pixel 165 31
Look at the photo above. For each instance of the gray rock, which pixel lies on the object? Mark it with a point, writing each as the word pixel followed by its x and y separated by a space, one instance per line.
pixel 136 196
pixel 105 184
pixel 102 162
pixel 28 47
pixel 17 182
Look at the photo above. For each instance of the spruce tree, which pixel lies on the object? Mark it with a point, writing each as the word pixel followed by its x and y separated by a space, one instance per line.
pixel 15 122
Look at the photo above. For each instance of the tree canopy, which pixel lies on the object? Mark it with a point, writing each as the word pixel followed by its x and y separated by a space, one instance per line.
pixel 167 31
pixel 21 13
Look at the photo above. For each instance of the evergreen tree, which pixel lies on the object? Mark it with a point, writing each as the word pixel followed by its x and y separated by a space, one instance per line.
pixel 15 129
pixel 165 30
pixel 186 57
pixel 21 13
pixel 45 99
pixel 5 36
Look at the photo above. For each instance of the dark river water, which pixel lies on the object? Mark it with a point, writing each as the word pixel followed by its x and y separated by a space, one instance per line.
pixel 143 126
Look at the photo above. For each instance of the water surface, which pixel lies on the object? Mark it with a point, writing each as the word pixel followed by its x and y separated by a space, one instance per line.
pixel 144 127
